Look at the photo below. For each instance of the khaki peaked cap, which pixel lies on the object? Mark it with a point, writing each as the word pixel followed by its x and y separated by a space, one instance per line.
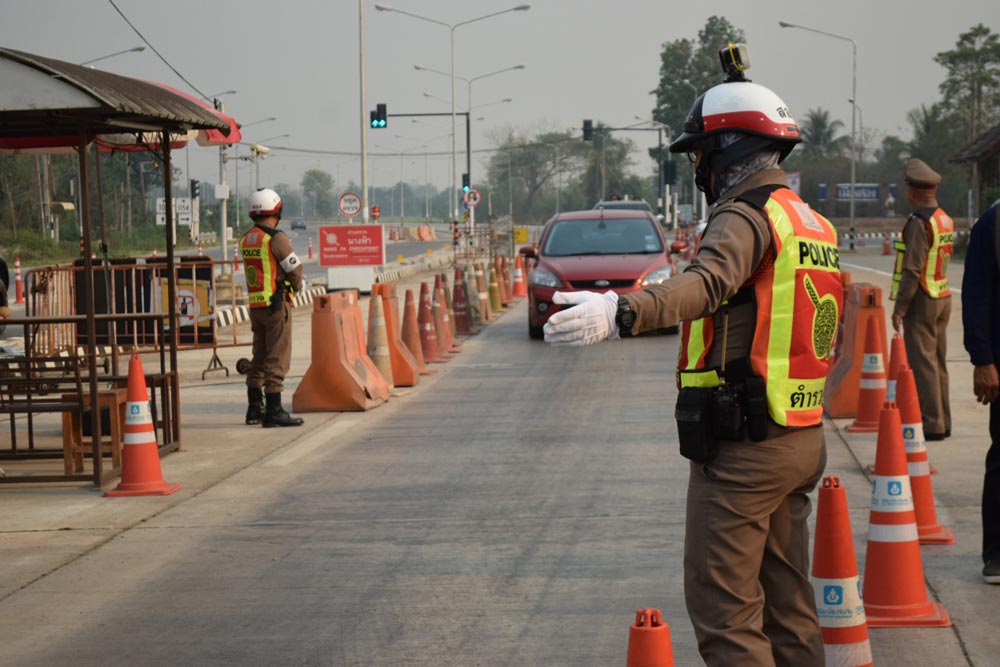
pixel 916 172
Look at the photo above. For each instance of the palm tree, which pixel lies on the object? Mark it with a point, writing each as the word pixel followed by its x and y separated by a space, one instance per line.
pixel 819 136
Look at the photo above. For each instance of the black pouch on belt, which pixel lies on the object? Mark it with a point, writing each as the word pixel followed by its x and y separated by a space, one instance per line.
pixel 755 403
pixel 694 424
pixel 727 414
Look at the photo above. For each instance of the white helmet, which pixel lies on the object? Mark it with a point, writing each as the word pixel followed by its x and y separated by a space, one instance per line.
pixel 263 203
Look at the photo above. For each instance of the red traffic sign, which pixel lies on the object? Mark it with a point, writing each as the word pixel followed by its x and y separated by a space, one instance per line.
pixel 349 204
pixel 471 198
pixel 376 212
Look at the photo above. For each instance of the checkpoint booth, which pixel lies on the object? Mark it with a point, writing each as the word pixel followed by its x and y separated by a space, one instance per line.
pixel 49 106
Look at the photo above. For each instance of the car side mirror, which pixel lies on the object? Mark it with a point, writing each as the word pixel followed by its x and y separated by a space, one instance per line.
pixel 528 251
pixel 678 247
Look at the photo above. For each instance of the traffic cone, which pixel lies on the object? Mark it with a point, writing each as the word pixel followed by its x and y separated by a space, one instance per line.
pixel 482 284
pixel 897 359
pixel 411 334
pixel 378 340
pixel 236 256
pixel 649 641
pixel 472 302
pixel 835 581
pixel 928 528
pixel 458 305
pixel 887 244
pixel 428 333
pixel 310 248
pixel 449 297
pixel 871 390
pixel 508 283
pixel 495 303
pixel 404 366
pixel 442 322
pixel 201 251
pixel 505 299
pixel 894 591
pixel 518 278
pixel 141 473
pixel 18 283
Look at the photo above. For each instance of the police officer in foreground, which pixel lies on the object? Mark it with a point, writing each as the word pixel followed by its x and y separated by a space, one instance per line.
pixel 923 299
pixel 759 307
pixel 273 274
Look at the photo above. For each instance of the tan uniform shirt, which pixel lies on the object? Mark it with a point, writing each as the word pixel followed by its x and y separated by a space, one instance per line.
pixel 737 237
pixel 917 244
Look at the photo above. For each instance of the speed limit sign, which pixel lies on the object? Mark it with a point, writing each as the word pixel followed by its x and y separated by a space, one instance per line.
pixel 349 204
pixel 471 198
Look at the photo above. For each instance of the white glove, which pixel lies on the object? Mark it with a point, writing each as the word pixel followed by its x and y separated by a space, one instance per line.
pixel 591 320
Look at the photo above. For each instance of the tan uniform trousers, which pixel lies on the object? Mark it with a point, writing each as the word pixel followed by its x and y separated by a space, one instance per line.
pixel 925 327
pixel 272 348
pixel 746 553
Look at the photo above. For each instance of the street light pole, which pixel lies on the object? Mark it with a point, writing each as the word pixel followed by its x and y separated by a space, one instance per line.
pixel 116 53
pixel 452 27
pixel 853 100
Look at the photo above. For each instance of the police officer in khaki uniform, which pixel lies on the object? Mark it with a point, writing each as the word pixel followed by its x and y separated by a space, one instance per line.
pixel 767 268
pixel 923 299
pixel 273 273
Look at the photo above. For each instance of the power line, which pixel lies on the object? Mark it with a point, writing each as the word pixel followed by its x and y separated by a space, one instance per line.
pixel 158 54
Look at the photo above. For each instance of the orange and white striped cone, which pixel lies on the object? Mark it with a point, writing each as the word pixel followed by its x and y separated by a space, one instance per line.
pixel 894 591
pixel 918 463
pixel 649 641
pixel 835 581
pixel 897 359
pixel 411 333
pixel 517 278
pixel 237 255
pixel 871 389
pixel 141 473
pixel 428 331
pixel 458 305
pixel 442 324
pixel 18 282
pixel 310 248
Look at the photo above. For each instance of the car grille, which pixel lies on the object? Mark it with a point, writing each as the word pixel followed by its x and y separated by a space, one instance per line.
pixel 592 284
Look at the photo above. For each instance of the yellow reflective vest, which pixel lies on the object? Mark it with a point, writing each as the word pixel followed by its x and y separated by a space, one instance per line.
pixel 798 300
pixel 260 267
pixel 934 272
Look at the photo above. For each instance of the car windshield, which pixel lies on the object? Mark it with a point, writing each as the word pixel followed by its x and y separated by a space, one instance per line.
pixel 602 236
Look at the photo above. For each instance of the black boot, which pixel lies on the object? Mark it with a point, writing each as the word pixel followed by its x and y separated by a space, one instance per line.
pixel 255 405
pixel 276 415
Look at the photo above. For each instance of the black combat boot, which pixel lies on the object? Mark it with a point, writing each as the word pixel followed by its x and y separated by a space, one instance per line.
pixel 276 415
pixel 255 405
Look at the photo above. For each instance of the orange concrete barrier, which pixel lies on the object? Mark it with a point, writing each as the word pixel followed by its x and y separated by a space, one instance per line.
pixel 871 391
pixel 341 376
pixel 894 591
pixel 835 581
pixel 649 641
pixel 405 369
pixel 840 397
pixel 918 463
pixel 141 472
pixel 411 334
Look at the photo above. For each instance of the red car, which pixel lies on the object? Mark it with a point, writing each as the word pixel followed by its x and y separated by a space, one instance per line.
pixel 595 250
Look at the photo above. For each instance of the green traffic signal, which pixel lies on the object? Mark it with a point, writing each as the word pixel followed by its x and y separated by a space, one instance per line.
pixel 465 183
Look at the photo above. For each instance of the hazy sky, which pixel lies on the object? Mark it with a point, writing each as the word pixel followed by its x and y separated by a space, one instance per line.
pixel 298 60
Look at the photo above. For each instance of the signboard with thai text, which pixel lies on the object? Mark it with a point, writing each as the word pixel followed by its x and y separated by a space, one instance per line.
pixel 862 191
pixel 351 245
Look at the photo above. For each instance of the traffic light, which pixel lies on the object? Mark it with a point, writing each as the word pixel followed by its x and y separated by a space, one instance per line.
pixel 195 189
pixel 465 183
pixel 378 117
pixel 669 171
pixel 588 129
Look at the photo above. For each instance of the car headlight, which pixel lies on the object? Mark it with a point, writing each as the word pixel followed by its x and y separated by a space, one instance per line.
pixel 658 276
pixel 544 279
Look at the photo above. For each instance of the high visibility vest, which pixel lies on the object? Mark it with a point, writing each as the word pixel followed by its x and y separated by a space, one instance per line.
pixel 934 272
pixel 260 267
pixel 798 301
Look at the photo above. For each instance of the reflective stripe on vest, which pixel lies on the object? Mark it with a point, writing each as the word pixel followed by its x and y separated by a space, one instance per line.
pixel 260 267
pixel 799 298
pixel 696 340
pixel 934 272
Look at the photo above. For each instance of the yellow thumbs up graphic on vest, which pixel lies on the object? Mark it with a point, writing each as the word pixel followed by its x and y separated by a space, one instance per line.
pixel 824 320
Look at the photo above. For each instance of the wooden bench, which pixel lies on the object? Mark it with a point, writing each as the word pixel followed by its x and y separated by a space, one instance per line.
pixel 30 386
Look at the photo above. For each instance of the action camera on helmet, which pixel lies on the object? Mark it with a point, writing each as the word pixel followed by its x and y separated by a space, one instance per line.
pixel 735 59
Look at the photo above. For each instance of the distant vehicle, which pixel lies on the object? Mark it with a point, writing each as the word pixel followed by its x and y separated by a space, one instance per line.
pixel 298 223
pixel 595 250
pixel 628 204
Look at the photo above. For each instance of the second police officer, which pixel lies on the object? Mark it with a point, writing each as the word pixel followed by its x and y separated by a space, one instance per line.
pixel 759 307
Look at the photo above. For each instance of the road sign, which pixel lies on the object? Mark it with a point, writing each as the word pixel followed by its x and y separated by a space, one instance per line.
pixel 351 245
pixel 471 197
pixel 349 204
pixel 376 212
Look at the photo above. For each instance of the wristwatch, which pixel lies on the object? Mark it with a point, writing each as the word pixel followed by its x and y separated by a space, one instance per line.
pixel 625 317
